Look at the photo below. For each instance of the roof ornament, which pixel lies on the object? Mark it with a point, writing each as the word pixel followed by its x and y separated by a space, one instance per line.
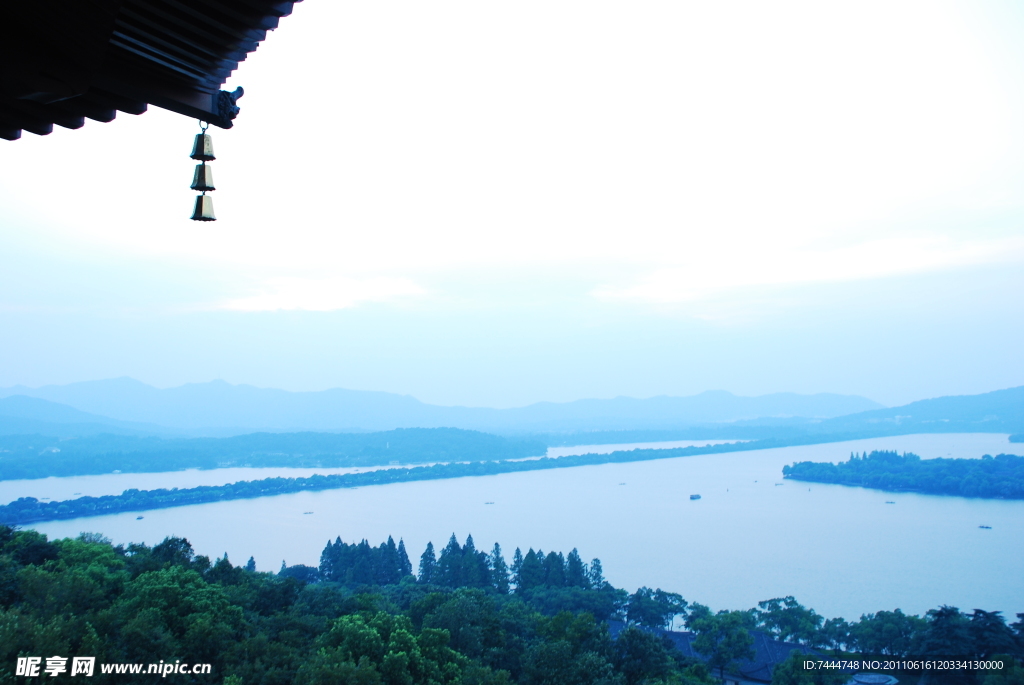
pixel 227 106
pixel 202 151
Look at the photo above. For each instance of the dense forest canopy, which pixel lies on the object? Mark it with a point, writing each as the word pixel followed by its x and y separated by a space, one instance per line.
pixel 466 616
pixel 1001 476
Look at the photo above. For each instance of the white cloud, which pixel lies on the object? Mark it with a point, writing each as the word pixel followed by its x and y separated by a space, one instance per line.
pixel 737 269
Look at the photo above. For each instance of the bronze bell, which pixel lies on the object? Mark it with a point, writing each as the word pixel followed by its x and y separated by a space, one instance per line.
pixel 204 209
pixel 202 149
pixel 203 179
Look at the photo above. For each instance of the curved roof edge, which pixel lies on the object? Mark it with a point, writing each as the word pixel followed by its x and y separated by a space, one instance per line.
pixel 65 61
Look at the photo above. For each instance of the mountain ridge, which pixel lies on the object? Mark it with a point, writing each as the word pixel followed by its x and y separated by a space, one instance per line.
pixel 20 414
pixel 995 411
pixel 218 406
pixel 709 415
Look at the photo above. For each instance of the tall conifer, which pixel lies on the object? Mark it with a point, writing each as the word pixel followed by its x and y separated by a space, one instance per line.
pixel 517 568
pixel 470 571
pixel 575 570
pixel 449 564
pixel 386 568
pixel 476 571
pixel 532 572
pixel 360 570
pixel 554 570
pixel 596 574
pixel 404 565
pixel 499 570
pixel 428 564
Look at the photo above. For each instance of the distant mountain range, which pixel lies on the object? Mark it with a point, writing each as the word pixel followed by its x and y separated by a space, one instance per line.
pixel 1000 411
pixel 217 408
pixel 21 415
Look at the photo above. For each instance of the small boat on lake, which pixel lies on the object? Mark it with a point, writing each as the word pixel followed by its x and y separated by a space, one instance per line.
pixel 306 512
pixel 139 518
pixel 986 527
pixel 889 501
pixel 694 496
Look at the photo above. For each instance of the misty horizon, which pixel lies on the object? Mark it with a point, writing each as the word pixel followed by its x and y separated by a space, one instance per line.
pixel 11 390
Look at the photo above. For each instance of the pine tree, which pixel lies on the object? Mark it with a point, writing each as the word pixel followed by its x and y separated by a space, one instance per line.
pixel 251 565
pixel 387 571
pixel 532 572
pixel 499 570
pixel 362 567
pixel 476 571
pixel 404 565
pixel 449 564
pixel 428 564
pixel 947 632
pixel 1018 629
pixel 989 634
pixel 332 560
pixel 575 570
pixel 596 574
pixel 470 576
pixel 517 568
pixel 329 560
pixel 554 570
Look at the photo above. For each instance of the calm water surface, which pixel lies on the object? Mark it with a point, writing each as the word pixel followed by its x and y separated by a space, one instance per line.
pixel 842 551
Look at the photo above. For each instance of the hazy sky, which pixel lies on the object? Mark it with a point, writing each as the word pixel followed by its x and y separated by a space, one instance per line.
pixel 493 204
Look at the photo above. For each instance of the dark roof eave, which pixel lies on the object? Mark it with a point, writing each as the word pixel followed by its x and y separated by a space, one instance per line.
pixel 173 54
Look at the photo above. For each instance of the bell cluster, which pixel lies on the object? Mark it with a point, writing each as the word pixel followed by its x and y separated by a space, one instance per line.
pixel 202 151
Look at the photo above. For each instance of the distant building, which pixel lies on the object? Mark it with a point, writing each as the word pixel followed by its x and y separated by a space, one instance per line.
pixel 768 653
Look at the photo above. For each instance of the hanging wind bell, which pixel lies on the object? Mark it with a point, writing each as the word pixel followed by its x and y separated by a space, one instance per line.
pixel 202 151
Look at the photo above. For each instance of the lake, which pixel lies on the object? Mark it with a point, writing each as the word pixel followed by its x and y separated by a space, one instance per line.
pixel 843 551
